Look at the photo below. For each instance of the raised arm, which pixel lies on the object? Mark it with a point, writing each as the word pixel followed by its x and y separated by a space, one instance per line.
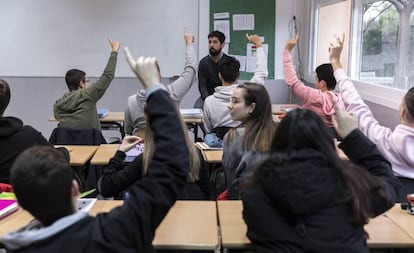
pixel 261 72
pixel 97 90
pixel 298 87
pixel 363 152
pixel 151 198
pixel 353 101
pixel 182 85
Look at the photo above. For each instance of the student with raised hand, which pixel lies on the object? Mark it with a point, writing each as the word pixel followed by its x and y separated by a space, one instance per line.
pixel 77 108
pixel 216 111
pixel 15 137
pixel 118 178
pixel 304 198
pixel 318 99
pixel 44 186
pixel 248 143
pixel 396 145
pixel 134 113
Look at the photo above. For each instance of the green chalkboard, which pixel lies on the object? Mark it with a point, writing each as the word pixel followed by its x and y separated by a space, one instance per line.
pixel 264 25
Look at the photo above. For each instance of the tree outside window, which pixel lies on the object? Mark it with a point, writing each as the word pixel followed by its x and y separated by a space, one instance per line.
pixel 388 43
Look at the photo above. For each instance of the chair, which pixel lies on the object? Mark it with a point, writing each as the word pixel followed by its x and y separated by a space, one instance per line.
pixel 73 136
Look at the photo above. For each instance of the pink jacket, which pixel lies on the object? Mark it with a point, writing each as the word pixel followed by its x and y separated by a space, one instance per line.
pixel 397 146
pixel 313 99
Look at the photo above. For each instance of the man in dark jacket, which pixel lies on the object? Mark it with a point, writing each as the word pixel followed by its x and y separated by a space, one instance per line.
pixel 208 77
pixel 43 186
pixel 14 136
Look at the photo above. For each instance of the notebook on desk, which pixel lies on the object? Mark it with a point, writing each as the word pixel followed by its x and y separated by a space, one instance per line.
pixel 191 113
pixel 134 152
pixel 7 207
pixel 85 204
pixel 204 146
pixel 287 108
pixel 102 113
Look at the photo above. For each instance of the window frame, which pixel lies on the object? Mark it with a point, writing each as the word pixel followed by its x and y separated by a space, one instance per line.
pixel 376 93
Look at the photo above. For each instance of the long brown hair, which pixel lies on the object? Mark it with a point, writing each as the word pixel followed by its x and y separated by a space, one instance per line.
pixel 149 148
pixel 259 124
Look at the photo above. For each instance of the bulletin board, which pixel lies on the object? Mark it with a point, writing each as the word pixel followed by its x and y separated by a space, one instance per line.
pixel 246 16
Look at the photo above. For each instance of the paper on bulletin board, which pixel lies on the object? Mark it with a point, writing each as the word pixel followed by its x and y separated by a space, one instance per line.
pixel 251 58
pixel 224 27
pixel 242 22
pixel 225 48
pixel 242 60
pixel 221 15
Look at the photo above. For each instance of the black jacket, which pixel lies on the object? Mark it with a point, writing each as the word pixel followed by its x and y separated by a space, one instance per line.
pixel 131 227
pixel 208 78
pixel 296 209
pixel 118 178
pixel 14 139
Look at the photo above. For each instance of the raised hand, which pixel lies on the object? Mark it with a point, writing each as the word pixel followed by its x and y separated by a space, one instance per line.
pixel 129 142
pixel 291 43
pixel 255 39
pixel 114 44
pixel 189 38
pixel 344 122
pixel 335 49
pixel 145 68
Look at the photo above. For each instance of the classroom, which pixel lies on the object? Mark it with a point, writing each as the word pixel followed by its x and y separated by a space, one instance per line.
pixel 40 44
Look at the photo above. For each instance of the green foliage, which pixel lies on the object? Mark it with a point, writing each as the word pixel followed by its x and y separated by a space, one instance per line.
pixel 372 43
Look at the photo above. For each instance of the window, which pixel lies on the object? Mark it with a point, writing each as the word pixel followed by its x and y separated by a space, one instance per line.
pixel 381 39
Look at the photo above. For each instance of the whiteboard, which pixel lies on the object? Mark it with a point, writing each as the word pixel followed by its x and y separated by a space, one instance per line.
pixel 49 37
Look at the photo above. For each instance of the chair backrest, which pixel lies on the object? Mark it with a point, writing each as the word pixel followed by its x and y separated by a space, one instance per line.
pixel 72 136
pixel 220 131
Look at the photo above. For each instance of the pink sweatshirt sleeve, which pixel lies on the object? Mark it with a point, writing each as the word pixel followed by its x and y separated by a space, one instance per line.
pixel 302 91
pixel 380 135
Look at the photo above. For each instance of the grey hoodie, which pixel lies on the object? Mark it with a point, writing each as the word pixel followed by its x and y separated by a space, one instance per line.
pixel 216 111
pixel 134 113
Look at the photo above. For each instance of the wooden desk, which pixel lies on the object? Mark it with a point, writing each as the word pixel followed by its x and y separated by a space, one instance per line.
pixel 14 221
pixel 400 217
pixel 276 108
pixel 104 153
pixel 383 232
pixel 188 225
pixel 79 154
pixel 232 227
pixel 212 155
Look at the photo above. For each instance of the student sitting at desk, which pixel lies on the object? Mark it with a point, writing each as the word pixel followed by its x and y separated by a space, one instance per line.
pixel 304 198
pixel 248 143
pixel 77 108
pixel 14 136
pixel 318 99
pixel 215 110
pixel 117 178
pixel 44 186
pixel 396 145
pixel 134 113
